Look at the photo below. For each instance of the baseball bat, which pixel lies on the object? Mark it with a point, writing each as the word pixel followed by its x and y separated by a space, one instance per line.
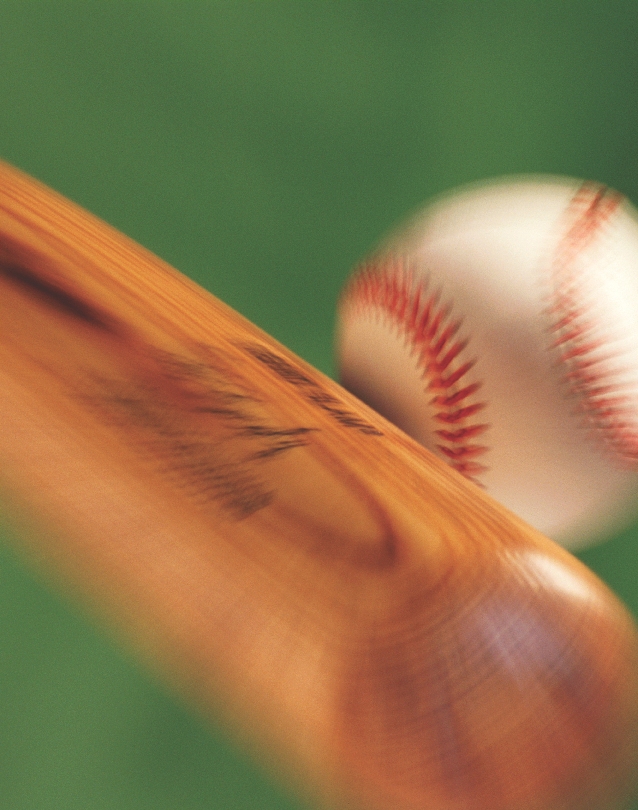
pixel 370 622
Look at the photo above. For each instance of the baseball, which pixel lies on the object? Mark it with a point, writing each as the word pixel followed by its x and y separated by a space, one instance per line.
pixel 499 328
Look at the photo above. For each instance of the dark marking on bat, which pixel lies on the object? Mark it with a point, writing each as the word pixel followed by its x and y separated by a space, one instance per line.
pixel 262 430
pixel 55 296
pixel 311 389
pixel 280 440
pixel 348 419
pixel 204 432
pixel 283 368
pixel 206 462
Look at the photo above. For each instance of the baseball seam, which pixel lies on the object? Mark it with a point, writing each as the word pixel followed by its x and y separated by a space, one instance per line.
pixel 388 288
pixel 591 375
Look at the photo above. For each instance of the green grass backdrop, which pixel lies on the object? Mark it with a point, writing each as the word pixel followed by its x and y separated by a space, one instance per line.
pixel 262 148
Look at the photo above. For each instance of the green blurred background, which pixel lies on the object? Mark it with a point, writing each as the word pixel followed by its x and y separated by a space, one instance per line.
pixel 262 148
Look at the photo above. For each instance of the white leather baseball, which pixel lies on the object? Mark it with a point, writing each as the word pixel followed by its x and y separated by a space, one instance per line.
pixel 500 329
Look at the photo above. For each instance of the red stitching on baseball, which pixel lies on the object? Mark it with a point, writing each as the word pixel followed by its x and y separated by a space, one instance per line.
pixel 390 289
pixel 591 376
